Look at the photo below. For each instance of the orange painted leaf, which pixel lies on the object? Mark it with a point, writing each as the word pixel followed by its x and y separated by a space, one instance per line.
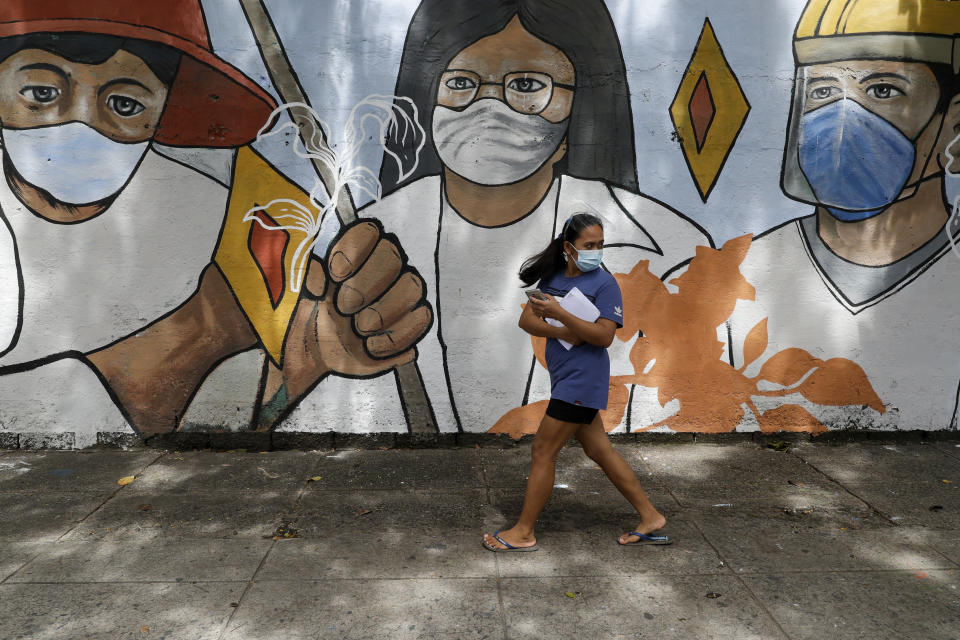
pixel 521 420
pixel 755 344
pixel 787 367
pixel 838 382
pixel 789 417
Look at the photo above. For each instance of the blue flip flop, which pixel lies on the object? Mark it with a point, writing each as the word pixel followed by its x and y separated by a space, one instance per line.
pixel 646 539
pixel 509 547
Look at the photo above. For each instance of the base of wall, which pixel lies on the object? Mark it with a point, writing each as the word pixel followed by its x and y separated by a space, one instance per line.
pixel 278 441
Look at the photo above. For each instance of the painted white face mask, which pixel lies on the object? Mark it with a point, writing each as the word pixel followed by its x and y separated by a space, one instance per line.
pixel 73 162
pixel 491 144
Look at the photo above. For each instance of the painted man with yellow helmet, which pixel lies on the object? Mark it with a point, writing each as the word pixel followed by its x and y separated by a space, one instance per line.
pixel 869 276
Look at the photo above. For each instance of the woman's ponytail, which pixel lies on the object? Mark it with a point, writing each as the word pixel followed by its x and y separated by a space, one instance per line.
pixel 545 263
pixel 552 259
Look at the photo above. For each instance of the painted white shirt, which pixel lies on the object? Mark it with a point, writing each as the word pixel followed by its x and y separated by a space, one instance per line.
pixel 495 376
pixel 88 284
pixel 478 289
pixel 904 340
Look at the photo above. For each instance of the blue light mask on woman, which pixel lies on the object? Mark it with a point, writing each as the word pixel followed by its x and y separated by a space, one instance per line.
pixel 856 162
pixel 588 259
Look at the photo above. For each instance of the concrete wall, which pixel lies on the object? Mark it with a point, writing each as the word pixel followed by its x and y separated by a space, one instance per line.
pixel 774 179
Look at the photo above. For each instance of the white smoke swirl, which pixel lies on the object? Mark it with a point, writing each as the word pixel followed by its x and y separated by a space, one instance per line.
pixel 375 117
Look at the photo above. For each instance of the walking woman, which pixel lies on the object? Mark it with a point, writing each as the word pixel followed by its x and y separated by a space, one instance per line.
pixel 579 379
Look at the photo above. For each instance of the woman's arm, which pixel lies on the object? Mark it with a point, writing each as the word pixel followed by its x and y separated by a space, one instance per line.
pixel 599 333
pixel 536 326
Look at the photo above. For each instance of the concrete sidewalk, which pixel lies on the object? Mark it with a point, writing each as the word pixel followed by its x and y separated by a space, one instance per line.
pixel 822 542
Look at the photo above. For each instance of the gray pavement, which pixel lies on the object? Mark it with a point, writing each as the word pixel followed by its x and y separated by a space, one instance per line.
pixel 821 541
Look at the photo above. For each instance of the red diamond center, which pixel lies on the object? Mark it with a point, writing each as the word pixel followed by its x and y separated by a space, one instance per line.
pixel 702 110
pixel 267 246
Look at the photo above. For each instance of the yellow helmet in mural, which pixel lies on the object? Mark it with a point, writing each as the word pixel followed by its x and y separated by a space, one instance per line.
pixel 914 30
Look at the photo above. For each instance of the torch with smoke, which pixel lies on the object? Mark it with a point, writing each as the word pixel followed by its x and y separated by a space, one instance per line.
pixel 383 117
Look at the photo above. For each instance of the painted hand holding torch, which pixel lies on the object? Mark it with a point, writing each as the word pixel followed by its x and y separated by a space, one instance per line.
pixel 359 314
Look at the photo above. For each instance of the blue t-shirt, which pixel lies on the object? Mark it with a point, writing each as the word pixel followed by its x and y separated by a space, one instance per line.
pixel 581 375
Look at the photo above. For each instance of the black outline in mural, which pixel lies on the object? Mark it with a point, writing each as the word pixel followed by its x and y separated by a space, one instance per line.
pixel 956 407
pixel 20 295
pixel 628 417
pixel 726 156
pixel 30 365
pixel 437 307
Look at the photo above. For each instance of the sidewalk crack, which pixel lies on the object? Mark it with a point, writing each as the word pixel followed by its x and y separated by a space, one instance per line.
pixel 108 499
pixel 739 578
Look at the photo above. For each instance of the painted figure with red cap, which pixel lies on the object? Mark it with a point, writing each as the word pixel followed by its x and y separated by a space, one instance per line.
pixel 111 312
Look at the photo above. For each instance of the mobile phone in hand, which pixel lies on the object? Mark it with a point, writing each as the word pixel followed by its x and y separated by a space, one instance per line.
pixel 535 294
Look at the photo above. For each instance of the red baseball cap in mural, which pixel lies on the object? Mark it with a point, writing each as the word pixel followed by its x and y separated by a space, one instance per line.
pixel 210 104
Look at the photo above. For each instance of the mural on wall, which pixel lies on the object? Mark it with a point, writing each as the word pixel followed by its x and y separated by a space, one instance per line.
pixel 160 271
pixel 120 312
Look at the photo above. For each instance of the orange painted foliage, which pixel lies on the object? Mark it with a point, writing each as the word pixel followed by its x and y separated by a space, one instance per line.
pixel 679 355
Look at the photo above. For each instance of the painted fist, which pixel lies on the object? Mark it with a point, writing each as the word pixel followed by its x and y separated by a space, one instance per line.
pixel 360 314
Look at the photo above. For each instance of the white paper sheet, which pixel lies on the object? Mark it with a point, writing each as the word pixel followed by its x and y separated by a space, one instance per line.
pixel 578 305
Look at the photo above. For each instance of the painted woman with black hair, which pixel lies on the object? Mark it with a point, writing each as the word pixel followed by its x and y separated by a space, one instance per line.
pixel 527 114
pixel 579 378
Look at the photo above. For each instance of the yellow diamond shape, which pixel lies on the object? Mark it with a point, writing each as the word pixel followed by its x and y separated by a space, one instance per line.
pixel 708 111
pixel 263 288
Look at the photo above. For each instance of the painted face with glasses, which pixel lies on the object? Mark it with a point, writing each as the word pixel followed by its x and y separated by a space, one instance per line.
pixel 503 107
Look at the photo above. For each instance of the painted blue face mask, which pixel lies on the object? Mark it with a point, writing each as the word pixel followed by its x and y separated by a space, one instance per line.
pixel 856 162
pixel 587 259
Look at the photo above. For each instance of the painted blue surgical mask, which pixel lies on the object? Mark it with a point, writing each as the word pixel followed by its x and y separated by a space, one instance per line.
pixel 588 259
pixel 856 162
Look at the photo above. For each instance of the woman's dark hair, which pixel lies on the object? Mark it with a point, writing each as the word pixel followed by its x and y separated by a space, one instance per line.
pixel 600 136
pixel 551 260
pixel 91 48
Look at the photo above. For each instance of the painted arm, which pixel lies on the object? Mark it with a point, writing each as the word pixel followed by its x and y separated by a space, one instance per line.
pixel 599 333
pixel 536 326
pixel 154 373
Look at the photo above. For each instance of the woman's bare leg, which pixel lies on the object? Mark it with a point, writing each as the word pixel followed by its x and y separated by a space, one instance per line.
pixel 596 444
pixel 551 436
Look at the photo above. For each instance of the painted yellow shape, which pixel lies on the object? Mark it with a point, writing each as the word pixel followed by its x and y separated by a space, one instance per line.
pixel 855 17
pixel 731 109
pixel 257 184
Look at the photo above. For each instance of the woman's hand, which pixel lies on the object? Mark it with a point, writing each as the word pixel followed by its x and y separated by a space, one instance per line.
pixel 547 307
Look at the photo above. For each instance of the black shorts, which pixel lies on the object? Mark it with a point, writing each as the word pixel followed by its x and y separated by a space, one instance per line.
pixel 566 412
